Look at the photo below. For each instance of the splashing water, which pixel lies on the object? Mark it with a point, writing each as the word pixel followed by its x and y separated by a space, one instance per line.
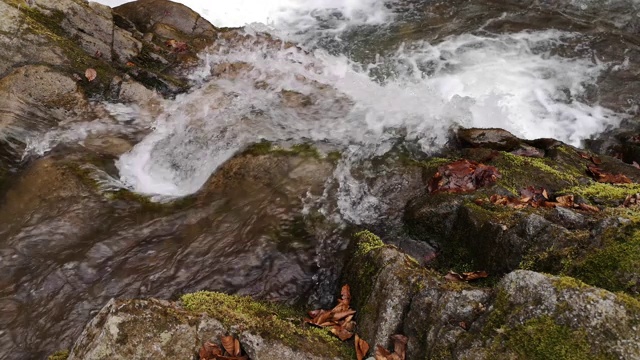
pixel 265 90
pixel 507 81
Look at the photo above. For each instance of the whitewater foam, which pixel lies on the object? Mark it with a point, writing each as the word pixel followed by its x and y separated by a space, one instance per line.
pixel 507 81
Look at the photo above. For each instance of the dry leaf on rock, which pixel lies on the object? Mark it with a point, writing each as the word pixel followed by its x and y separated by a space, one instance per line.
pixel 399 349
pixel 631 200
pixel 463 176
pixel 90 74
pixel 340 318
pixel 565 201
pixel 467 276
pixel 232 350
pixel 362 348
pixel 209 351
pixel 600 176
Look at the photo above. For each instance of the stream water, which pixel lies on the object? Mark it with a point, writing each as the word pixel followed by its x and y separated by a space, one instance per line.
pixel 365 76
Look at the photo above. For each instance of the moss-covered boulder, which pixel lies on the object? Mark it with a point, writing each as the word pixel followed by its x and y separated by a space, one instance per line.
pixel 537 316
pixel 144 329
pixel 527 315
pixel 471 232
pixel 383 281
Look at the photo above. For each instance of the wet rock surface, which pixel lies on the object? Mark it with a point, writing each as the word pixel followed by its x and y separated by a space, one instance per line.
pixel 70 243
pixel 62 240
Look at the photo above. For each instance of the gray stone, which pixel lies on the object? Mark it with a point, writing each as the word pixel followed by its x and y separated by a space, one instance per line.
pixel 125 46
pixel 568 218
pixel 155 329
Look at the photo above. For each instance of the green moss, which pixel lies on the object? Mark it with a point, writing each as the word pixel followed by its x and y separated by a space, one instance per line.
pixel 566 282
pixel 606 192
pixel 366 242
pixel 542 339
pixel 519 172
pixel 59 355
pixel 268 320
pixel 615 266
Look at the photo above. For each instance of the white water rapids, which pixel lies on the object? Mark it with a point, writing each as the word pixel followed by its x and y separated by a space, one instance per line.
pixel 506 81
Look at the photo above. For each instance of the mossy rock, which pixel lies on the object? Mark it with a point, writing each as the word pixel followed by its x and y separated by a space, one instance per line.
pixel 536 316
pixel 271 321
pixel 615 265
pixel 142 329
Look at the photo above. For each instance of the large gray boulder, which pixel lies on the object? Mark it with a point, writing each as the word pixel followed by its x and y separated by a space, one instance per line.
pixel 154 329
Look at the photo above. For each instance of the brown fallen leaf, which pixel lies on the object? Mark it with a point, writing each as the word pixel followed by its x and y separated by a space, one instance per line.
pixel 600 176
pixel 462 176
pixel 130 64
pixel 584 155
pixel 228 343
pixel 400 345
pixel 588 207
pixel 90 74
pixel 340 318
pixel 596 160
pixel 209 351
pixel 467 276
pixel 565 201
pixel 362 348
pixel 382 353
pixel 399 349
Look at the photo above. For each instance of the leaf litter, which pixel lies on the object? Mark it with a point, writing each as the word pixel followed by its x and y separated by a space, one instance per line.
pixel 463 176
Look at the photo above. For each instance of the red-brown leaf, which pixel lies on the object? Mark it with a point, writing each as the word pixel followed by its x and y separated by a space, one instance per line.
pixel 469 276
pixel 382 353
pixel 90 74
pixel 228 343
pixel 565 201
pixel 343 314
pixel 209 351
pixel 453 276
pixel 462 176
pixel 342 333
pixel 362 348
pixel 400 345
pixel 345 293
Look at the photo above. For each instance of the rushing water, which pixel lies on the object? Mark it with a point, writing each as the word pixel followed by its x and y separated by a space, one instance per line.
pixel 417 92
pixel 366 76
